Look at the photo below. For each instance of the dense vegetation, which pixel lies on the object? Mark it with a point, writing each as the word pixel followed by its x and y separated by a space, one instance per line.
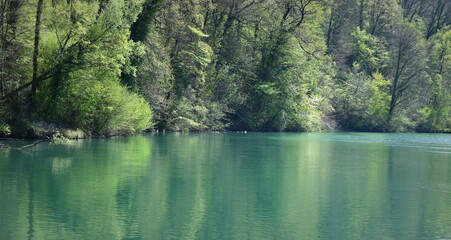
pixel 117 66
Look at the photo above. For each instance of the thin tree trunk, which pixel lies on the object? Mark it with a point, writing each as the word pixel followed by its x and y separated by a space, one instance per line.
pixel 2 44
pixel 361 7
pixel 394 88
pixel 390 113
pixel 329 31
pixel 36 49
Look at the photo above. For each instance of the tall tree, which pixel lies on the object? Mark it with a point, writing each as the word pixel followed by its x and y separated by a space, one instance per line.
pixel 408 62
pixel 11 49
pixel 37 31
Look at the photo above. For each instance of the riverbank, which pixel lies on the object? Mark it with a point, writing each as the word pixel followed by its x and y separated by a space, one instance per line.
pixel 55 133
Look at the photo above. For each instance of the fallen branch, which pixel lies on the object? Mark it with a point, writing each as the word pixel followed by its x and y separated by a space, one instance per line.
pixel 31 145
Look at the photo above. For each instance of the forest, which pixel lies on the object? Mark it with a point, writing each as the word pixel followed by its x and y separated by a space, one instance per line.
pixel 109 67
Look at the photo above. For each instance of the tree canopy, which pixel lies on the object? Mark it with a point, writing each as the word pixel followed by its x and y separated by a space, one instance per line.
pixel 114 66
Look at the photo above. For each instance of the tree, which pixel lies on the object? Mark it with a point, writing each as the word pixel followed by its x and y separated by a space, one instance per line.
pixel 408 63
pixel 382 14
pixel 10 48
pixel 139 32
pixel 282 95
pixel 37 30
pixel 266 65
pixel 362 100
pixel 339 24
pixel 413 8
pixel 439 16
pixel 437 112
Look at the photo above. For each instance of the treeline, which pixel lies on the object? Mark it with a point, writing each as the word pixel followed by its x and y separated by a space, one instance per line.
pixel 116 66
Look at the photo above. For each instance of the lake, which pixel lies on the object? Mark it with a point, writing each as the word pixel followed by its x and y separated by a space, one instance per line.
pixel 230 186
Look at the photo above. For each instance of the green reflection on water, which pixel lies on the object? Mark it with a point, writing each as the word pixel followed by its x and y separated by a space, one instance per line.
pixel 230 186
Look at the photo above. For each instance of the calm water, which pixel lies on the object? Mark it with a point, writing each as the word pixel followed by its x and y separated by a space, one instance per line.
pixel 230 186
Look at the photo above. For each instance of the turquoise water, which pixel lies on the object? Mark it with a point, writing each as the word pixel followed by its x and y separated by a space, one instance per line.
pixel 230 186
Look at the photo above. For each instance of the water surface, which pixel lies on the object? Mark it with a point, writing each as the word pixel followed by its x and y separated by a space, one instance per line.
pixel 230 186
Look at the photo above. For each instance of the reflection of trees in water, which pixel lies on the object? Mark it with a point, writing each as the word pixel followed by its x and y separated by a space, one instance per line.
pixel 207 186
pixel 72 197
pixel 30 201
pixel 61 164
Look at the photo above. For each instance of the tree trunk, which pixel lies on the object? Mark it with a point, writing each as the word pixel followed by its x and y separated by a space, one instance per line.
pixel 36 50
pixel 394 87
pixel 390 113
pixel 329 30
pixel 361 8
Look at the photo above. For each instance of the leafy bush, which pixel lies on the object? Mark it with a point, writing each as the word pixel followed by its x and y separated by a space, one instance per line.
pixel 105 108
pixel 5 130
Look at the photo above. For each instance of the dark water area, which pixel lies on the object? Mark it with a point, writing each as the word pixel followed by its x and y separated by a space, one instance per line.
pixel 230 186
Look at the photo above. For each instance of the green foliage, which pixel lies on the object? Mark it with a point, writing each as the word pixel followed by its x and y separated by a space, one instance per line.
pixel 309 114
pixel 435 117
pixel 290 97
pixel 90 96
pixel 362 101
pixel 369 51
pixel 5 130
pixel 191 63
pixel 104 108
pixel 402 122
pixel 113 67
pixel 155 77
pixel 195 115
pixel 379 100
pixel 197 32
